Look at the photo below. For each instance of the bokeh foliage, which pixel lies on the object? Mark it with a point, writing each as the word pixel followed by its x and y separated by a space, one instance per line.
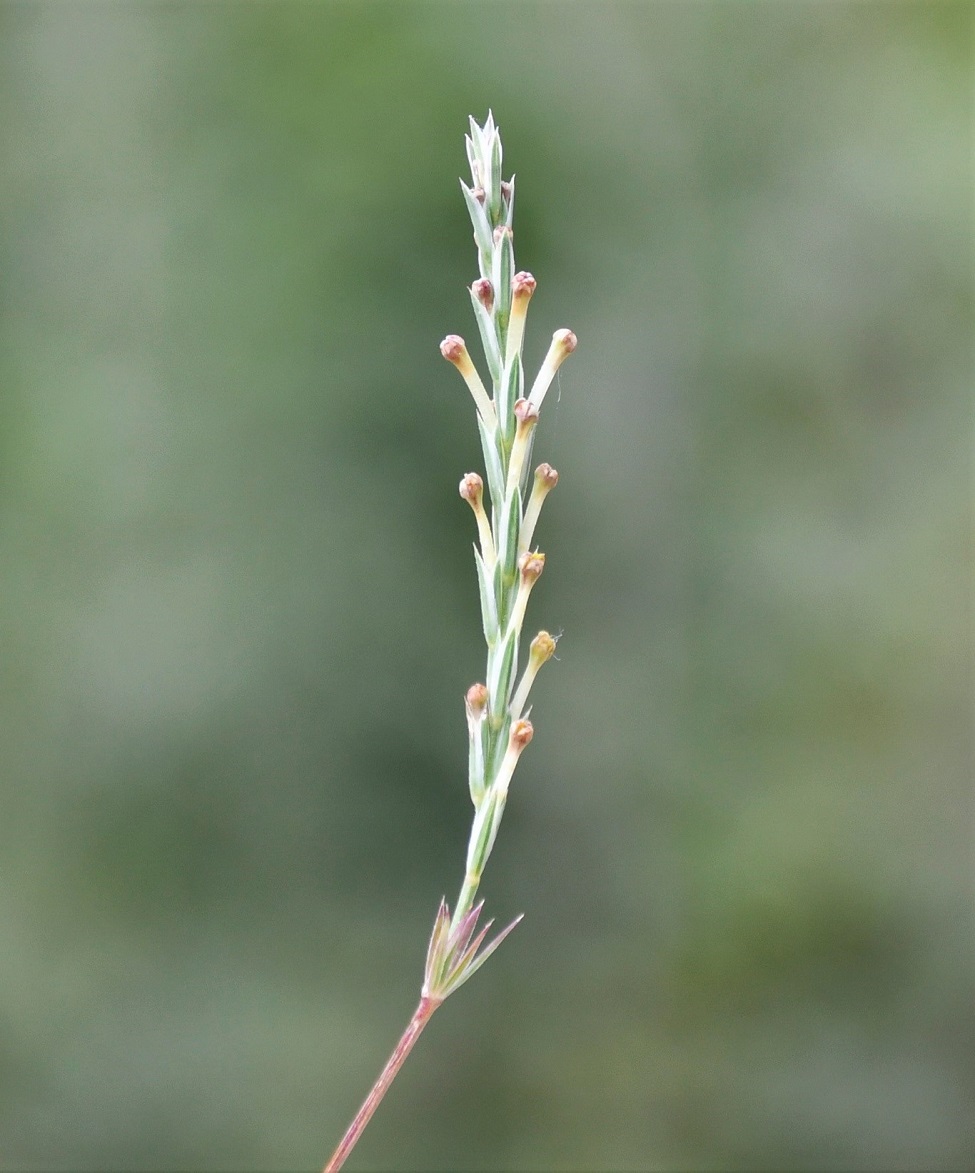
pixel 239 610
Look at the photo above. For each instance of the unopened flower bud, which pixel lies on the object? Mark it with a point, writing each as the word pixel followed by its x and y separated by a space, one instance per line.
pixel 476 700
pixel 531 566
pixel 542 647
pixel 478 194
pixel 454 350
pixel 563 344
pixel 471 488
pixel 501 232
pixel 546 478
pixel 527 416
pixel 522 286
pixel 483 290
pixel 521 734
pixel 542 650
pixel 526 413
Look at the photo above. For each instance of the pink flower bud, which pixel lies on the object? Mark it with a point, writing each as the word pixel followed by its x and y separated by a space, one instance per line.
pixel 542 647
pixel 471 488
pixel 526 413
pixel 566 340
pixel 521 733
pixel 531 566
pixel 522 286
pixel 546 477
pixel 483 290
pixel 476 699
pixel 454 349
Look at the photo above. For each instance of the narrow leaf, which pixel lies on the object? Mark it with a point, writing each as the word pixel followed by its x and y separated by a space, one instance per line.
pixel 494 195
pixel 460 961
pixel 492 461
pixel 483 832
pixel 489 338
pixel 482 229
pixel 509 390
pixel 511 203
pixel 502 270
pixel 475 765
pixel 435 947
pixel 489 610
pixel 476 964
pixel 510 528
pixel 462 933
pixel 502 671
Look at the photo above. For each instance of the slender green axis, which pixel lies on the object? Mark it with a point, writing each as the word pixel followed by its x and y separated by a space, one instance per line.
pixel 508 566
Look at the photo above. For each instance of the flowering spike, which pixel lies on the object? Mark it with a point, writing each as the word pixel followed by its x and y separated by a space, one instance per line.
pixel 507 569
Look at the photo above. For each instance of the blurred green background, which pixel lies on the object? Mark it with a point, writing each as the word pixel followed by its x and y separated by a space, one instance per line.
pixel 239 609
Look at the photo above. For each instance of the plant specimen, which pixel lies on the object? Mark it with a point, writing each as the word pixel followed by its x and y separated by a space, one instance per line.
pixel 507 568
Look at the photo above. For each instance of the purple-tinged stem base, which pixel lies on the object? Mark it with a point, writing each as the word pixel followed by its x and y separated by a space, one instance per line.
pixel 421 1016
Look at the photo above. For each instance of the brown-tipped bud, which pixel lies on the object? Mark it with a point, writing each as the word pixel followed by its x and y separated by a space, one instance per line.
pixel 531 566
pixel 526 413
pixel 542 650
pixel 501 232
pixel 476 699
pixel 563 344
pixel 542 647
pixel 521 733
pixel 454 349
pixel 471 488
pixel 523 286
pixel 546 476
pixel 479 194
pixel 483 290
pixel 506 189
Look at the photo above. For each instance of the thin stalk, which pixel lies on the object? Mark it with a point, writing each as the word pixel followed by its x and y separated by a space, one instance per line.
pixel 421 1016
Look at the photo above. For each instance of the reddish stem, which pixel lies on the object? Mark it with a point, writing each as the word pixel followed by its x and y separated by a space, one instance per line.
pixel 421 1016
